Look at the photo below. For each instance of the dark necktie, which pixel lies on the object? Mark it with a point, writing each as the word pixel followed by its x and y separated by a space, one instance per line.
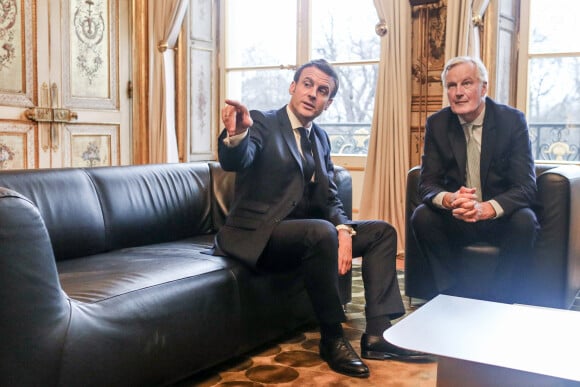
pixel 307 158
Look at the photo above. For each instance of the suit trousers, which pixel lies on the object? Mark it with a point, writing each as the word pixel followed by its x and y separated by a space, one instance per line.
pixel 312 246
pixel 441 237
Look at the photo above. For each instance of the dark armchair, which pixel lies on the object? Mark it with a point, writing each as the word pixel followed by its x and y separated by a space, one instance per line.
pixel 554 271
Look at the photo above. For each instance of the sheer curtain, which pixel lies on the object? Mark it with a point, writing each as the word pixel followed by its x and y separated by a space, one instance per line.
pixel 166 18
pixel 478 10
pixel 383 195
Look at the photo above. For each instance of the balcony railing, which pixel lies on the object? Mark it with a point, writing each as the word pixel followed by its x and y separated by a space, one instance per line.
pixel 555 141
pixel 348 138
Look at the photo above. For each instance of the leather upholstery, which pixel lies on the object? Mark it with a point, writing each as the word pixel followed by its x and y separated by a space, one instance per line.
pixel 106 279
pixel 554 271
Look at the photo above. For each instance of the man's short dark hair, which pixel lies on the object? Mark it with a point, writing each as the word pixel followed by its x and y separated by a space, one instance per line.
pixel 325 67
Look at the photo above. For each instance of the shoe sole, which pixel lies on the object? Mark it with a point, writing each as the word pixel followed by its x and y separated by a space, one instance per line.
pixel 374 355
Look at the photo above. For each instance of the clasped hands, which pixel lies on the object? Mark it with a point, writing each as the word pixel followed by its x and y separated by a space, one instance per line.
pixel 236 117
pixel 464 205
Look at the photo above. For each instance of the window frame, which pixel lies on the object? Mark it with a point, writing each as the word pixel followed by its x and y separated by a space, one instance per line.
pixel 524 56
pixel 303 51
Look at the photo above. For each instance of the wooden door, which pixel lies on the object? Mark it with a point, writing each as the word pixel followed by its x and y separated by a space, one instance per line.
pixel 64 76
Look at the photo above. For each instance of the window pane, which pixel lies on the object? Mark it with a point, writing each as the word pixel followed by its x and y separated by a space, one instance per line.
pixel 260 90
pixel 554 85
pixel 343 32
pixel 554 107
pixel 554 26
pixel 255 39
pixel 348 119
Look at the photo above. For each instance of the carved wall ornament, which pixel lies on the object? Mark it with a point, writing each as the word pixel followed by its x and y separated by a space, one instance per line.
pixel 6 155
pixel 89 26
pixel 8 15
pixel 92 154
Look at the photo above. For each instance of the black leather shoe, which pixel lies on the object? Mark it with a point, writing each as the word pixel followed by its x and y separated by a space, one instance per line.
pixel 342 358
pixel 377 348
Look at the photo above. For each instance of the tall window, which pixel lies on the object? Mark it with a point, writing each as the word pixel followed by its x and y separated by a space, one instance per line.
pixel 552 80
pixel 262 52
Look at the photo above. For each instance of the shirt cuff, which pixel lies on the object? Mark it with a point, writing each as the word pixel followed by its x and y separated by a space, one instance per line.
pixel 233 141
pixel 498 209
pixel 438 200
pixel 347 228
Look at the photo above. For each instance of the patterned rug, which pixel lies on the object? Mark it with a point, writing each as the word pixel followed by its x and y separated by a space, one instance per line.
pixel 294 361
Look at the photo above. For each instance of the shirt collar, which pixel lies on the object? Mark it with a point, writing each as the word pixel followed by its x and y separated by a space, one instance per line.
pixel 295 122
pixel 478 121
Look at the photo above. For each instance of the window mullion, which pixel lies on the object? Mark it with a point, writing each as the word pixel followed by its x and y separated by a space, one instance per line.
pixel 303 38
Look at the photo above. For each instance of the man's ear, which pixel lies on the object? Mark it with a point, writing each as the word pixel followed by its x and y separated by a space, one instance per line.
pixel 292 88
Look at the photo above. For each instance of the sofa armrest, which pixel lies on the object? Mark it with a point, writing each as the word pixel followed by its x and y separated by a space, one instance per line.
pixel 343 181
pixel 34 311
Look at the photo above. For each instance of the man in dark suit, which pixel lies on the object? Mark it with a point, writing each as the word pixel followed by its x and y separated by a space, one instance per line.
pixel 477 182
pixel 286 214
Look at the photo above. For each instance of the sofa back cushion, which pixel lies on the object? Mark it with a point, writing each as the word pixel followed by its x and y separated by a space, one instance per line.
pixel 69 205
pixel 89 211
pixel 145 204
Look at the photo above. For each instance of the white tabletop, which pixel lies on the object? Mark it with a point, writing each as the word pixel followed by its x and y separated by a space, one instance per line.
pixel 527 338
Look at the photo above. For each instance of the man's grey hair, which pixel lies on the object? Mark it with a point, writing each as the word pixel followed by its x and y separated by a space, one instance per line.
pixel 479 66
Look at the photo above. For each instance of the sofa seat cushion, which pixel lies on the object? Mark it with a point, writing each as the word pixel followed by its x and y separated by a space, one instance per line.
pixel 103 276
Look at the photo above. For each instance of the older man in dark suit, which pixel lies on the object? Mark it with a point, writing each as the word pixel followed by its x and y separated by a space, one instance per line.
pixel 286 214
pixel 477 182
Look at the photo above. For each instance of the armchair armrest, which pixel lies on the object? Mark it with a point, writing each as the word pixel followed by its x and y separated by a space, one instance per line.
pixel 556 263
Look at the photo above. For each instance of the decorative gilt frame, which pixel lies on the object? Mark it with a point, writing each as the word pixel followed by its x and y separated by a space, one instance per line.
pixel 26 97
pixel 27 132
pixel 71 132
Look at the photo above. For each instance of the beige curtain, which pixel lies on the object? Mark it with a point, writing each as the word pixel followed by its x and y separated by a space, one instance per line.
pixel 478 10
pixel 166 18
pixel 464 19
pixel 383 195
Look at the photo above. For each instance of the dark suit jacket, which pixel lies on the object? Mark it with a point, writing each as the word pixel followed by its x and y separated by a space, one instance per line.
pixel 269 183
pixel 507 165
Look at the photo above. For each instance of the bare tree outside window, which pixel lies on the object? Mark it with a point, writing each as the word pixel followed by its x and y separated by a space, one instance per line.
pixel 553 109
pixel 340 33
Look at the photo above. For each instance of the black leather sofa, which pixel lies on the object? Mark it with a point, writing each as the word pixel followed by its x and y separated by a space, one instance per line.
pixel 553 276
pixel 105 278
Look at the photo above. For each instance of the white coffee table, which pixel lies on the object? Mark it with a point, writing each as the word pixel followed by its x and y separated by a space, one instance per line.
pixel 481 343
